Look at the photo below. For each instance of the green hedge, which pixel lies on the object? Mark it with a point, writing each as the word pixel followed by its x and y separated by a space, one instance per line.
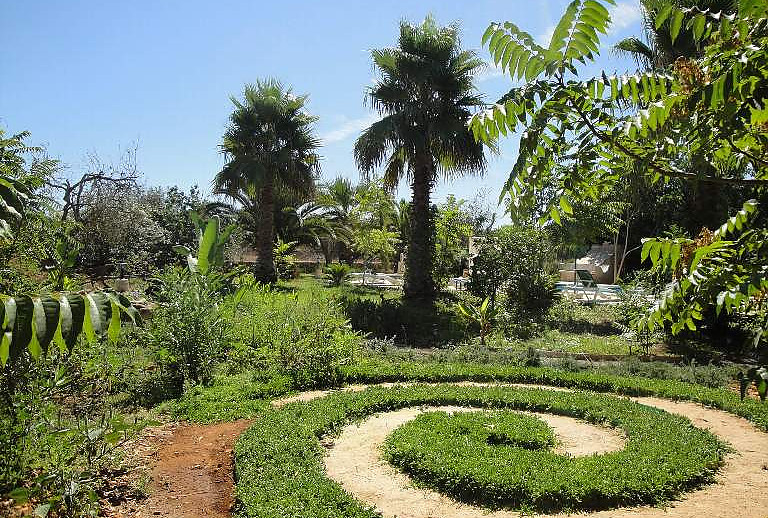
pixel 279 459
pixel 376 371
pixel 494 428
pixel 462 456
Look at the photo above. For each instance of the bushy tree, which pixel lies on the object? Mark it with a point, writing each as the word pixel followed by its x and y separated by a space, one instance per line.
pixel 453 228
pixel 512 262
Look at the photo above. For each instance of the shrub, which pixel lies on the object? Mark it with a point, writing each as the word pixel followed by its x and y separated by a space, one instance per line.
pixel 416 323
pixel 336 273
pixel 482 315
pixel 630 311
pixel 512 261
pixel 59 429
pixel 188 327
pixel 569 316
pixel 285 260
pixel 305 336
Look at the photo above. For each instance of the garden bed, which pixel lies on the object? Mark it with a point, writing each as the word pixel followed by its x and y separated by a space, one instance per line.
pixel 280 474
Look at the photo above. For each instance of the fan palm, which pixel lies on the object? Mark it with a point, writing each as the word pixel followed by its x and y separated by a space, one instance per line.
pixel 338 197
pixel 425 96
pixel 270 148
pixel 658 51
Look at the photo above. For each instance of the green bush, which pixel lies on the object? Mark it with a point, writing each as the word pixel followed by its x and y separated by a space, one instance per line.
pixel 189 328
pixel 416 323
pixel 303 335
pixel 569 316
pixel 60 428
pixel 279 471
pixel 512 261
pixel 336 273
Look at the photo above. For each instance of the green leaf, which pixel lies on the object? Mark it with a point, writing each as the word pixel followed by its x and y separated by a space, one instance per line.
pixel 113 331
pixel 71 330
pixel 555 215
pixel 699 24
pixel 6 327
pixel 47 320
pixel 663 14
pixel 207 245
pixel 92 318
pixel 676 24
pixel 22 331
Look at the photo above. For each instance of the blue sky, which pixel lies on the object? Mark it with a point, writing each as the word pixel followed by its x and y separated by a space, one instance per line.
pixel 98 77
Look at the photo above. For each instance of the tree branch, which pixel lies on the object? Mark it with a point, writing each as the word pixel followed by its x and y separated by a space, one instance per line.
pixel 657 167
pixel 746 153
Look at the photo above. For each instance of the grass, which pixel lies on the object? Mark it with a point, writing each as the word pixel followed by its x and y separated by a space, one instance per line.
pixel 279 471
pixel 564 341
pixel 471 429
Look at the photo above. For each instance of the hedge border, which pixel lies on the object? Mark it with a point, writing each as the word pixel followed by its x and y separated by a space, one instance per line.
pixel 372 371
pixel 278 460
pixel 663 457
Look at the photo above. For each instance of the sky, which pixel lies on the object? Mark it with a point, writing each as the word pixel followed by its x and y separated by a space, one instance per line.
pixel 96 77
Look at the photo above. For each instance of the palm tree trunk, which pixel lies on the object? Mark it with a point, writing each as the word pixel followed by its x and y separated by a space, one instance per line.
pixel 418 274
pixel 265 267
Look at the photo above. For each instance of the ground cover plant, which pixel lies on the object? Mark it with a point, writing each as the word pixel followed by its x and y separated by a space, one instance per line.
pixel 371 370
pixel 280 473
pixel 511 429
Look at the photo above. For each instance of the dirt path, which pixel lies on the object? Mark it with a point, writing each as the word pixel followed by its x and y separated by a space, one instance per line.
pixel 192 473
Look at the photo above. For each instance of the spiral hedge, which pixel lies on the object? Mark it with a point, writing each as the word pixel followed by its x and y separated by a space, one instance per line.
pixel 280 473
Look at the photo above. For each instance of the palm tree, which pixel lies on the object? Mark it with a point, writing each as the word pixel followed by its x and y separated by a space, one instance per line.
pixel 658 51
pixel 425 96
pixel 339 197
pixel 270 149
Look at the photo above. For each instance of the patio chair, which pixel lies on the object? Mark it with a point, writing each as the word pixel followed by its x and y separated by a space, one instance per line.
pixel 588 284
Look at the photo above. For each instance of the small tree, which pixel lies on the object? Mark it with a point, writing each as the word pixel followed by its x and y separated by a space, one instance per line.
pixel 512 261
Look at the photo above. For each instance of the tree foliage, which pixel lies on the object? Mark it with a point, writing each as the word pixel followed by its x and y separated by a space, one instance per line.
pixel 704 120
pixel 22 170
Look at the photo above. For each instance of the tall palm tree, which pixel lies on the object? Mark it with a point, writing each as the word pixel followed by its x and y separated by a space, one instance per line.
pixel 270 149
pixel 425 96
pixel 658 51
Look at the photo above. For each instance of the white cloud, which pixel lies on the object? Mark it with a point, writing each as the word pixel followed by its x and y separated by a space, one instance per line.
pixel 348 128
pixel 624 15
pixel 489 72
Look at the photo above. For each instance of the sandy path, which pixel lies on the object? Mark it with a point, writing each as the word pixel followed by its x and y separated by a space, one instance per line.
pixel 355 462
